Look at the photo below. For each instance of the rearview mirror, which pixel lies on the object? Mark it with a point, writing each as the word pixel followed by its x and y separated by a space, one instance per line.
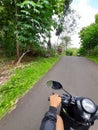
pixel 54 85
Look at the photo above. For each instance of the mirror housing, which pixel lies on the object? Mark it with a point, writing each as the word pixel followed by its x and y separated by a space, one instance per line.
pixel 54 85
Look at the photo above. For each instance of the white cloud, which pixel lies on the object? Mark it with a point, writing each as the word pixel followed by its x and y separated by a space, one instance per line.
pixel 54 38
pixel 87 14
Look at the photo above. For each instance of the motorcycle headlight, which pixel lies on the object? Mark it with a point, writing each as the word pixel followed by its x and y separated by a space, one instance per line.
pixel 88 105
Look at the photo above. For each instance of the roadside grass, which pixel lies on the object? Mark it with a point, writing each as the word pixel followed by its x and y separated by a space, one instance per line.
pixel 21 82
pixel 93 58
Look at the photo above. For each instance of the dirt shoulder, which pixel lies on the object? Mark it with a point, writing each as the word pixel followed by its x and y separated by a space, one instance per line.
pixel 5 68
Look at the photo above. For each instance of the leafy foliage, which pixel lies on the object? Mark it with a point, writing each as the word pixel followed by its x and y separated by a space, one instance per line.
pixel 72 51
pixel 89 38
pixel 66 41
pixel 24 23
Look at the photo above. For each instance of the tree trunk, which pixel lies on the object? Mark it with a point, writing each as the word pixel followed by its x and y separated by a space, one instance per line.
pixel 49 41
pixel 21 57
pixel 17 44
pixel 17 49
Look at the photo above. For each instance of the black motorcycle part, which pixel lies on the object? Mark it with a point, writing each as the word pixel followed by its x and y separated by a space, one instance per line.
pixel 70 123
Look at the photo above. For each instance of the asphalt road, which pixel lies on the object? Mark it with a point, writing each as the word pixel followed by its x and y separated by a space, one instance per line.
pixel 78 75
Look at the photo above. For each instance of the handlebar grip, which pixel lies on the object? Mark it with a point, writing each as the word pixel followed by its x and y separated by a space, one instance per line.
pixel 49 97
pixel 53 94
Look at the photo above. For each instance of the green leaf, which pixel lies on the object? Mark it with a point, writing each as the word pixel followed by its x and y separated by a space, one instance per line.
pixel 29 3
pixel 1 9
pixel 26 12
pixel 37 11
pixel 35 21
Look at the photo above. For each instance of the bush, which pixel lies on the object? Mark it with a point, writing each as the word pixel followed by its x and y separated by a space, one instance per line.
pixel 68 52
pixel 72 52
pixel 82 51
pixel 94 52
pixel 43 52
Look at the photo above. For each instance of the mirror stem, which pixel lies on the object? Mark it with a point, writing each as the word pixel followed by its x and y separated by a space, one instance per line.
pixel 67 92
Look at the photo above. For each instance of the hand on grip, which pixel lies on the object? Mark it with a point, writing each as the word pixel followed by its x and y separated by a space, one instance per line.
pixel 55 100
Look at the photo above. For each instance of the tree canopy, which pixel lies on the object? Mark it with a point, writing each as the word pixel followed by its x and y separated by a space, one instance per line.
pixel 25 22
pixel 89 37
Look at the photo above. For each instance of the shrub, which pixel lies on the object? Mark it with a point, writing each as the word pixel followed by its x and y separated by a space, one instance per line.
pixel 72 51
pixel 94 52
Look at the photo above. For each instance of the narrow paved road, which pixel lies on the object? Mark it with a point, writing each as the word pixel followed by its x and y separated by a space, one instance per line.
pixel 78 75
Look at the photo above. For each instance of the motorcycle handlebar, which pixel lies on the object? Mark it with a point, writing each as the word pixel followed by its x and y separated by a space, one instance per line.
pixel 64 98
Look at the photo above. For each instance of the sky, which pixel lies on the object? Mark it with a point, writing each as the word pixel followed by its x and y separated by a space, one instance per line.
pixel 87 10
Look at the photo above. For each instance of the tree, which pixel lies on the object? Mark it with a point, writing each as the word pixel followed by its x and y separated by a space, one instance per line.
pixel 89 37
pixel 65 17
pixel 68 27
pixel 70 24
pixel 8 26
pixel 35 21
pixel 96 18
pixel 65 41
pixel 25 22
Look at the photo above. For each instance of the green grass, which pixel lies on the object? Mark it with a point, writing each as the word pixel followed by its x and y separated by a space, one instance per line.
pixel 22 81
pixel 93 58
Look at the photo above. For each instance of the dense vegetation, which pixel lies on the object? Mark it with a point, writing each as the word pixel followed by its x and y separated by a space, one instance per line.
pixel 71 52
pixel 25 25
pixel 89 39
pixel 93 58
